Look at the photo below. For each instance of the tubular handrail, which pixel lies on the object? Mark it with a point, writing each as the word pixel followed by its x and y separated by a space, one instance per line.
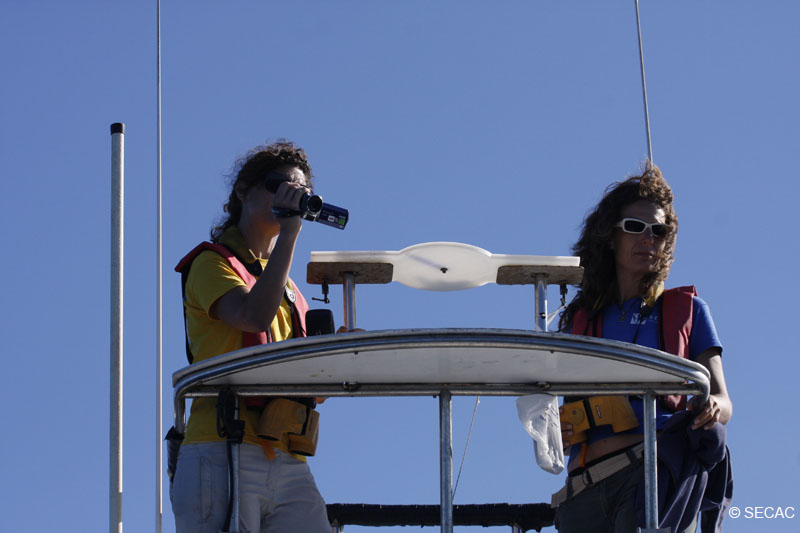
pixel 689 377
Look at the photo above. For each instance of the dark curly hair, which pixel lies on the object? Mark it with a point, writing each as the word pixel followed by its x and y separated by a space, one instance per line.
pixel 251 169
pixel 599 286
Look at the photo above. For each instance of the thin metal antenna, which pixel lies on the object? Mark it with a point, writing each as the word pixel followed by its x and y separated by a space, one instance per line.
pixel 158 442
pixel 644 86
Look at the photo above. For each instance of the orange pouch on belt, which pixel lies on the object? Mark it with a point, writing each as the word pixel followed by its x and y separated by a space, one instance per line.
pixel 585 414
pixel 291 422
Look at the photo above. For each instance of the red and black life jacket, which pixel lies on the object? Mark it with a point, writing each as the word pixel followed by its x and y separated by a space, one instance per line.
pixel 675 315
pixel 297 303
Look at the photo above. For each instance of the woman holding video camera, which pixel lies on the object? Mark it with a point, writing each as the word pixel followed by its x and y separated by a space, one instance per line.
pixel 627 248
pixel 237 293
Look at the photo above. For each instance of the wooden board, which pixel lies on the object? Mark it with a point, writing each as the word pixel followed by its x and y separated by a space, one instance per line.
pixel 364 273
pixel 526 275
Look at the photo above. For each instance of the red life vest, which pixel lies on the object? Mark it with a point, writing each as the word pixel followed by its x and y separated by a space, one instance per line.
pixel 675 314
pixel 298 305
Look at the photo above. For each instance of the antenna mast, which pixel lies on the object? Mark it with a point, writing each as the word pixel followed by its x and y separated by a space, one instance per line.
pixel 159 453
pixel 644 87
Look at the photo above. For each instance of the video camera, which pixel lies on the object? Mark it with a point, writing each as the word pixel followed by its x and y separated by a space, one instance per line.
pixel 311 208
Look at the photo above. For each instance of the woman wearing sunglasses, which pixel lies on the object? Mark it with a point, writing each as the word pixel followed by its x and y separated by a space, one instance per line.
pixel 626 248
pixel 237 293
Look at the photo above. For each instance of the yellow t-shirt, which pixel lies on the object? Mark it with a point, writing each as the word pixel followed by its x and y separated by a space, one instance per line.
pixel 210 277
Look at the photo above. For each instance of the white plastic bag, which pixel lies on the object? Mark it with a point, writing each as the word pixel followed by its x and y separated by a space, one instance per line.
pixel 539 416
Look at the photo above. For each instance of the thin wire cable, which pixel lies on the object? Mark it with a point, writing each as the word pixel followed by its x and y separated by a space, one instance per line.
pixel 159 452
pixel 644 86
pixel 466 445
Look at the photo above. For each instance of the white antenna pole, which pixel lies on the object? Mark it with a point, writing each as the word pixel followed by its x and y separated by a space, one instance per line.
pixel 115 403
pixel 159 446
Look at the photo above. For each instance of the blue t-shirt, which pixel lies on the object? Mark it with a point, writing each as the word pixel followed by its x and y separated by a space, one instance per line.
pixel 622 323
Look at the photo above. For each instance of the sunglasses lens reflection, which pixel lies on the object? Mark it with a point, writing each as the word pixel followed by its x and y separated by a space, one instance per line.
pixel 634 226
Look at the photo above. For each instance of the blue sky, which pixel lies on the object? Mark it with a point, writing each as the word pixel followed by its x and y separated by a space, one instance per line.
pixel 497 125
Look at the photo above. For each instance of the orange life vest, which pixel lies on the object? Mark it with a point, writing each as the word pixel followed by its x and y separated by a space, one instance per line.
pixel 297 303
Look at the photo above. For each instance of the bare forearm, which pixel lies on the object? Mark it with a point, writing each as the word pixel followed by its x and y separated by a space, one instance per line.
pixel 265 297
pixel 725 408
pixel 253 309
pixel 719 407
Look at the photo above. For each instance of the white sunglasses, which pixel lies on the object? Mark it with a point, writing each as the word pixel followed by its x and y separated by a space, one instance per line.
pixel 636 226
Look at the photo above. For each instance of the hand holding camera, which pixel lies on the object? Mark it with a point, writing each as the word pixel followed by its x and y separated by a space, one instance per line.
pixel 309 206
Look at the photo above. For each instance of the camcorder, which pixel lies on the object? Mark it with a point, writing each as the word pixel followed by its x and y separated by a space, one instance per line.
pixel 312 207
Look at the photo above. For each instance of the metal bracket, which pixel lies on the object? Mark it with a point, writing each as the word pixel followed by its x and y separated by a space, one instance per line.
pixel 324 298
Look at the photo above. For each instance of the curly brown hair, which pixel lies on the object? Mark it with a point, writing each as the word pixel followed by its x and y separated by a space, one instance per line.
pixel 250 170
pixel 599 286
